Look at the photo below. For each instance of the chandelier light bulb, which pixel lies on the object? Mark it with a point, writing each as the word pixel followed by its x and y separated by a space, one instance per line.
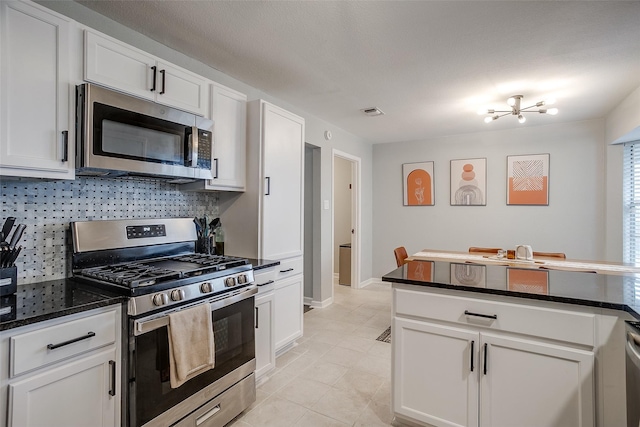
pixel 482 111
pixel 511 101
pixel 488 119
pixel 521 118
pixel 549 101
pixel 552 111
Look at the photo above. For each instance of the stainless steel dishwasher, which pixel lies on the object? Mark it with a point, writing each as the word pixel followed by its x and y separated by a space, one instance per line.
pixel 633 374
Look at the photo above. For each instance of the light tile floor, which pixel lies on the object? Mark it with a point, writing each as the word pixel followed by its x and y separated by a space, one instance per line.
pixel 338 374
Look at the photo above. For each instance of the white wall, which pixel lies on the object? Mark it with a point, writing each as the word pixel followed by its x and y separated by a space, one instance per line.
pixel 341 207
pixel 574 221
pixel 315 129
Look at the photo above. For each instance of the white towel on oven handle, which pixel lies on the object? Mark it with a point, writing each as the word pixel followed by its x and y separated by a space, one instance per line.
pixel 191 344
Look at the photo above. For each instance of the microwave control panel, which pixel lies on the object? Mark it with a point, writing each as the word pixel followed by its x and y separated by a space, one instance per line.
pixel 204 149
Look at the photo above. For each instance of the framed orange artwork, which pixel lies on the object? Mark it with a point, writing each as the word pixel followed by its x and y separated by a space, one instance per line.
pixel 528 180
pixel 418 184
pixel 420 270
pixel 528 281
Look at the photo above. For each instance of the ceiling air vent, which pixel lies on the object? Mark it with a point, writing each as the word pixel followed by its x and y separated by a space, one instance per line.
pixel 373 111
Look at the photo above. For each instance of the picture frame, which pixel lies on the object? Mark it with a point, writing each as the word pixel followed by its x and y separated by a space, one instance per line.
pixel 527 280
pixel 418 184
pixel 465 274
pixel 528 180
pixel 469 182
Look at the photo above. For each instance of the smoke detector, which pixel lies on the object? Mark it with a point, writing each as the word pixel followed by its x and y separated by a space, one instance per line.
pixel 373 111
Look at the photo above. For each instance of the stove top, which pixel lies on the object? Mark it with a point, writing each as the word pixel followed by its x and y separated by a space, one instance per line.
pixel 153 271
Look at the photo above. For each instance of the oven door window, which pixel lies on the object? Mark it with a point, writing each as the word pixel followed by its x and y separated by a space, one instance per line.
pixel 126 135
pixel 152 394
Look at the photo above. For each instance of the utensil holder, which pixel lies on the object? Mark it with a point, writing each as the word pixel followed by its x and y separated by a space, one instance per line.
pixel 8 280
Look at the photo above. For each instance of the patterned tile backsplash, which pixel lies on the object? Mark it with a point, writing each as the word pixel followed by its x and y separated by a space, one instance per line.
pixel 47 208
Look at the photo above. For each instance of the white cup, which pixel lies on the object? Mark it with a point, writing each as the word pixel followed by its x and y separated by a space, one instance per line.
pixel 524 252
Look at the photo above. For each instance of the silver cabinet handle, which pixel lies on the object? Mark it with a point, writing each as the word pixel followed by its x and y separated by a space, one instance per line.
pixel 208 415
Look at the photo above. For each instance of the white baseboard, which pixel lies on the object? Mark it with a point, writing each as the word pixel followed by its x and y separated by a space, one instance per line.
pixel 373 280
pixel 318 304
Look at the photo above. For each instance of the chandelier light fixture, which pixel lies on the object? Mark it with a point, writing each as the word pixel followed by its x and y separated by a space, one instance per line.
pixel 516 110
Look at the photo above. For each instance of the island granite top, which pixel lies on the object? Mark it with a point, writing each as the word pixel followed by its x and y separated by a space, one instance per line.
pixel 618 292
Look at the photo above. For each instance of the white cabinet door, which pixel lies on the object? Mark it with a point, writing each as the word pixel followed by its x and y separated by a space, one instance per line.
pixel 265 339
pixel 229 113
pixel 76 394
pixel 535 384
pixel 433 378
pixel 288 311
pixel 35 91
pixel 182 89
pixel 282 189
pixel 114 64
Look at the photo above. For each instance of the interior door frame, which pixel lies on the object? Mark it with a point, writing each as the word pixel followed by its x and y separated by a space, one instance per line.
pixel 356 177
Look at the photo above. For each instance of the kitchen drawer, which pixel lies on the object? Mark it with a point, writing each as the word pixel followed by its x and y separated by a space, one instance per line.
pixel 265 276
pixel 289 267
pixel 561 325
pixel 29 350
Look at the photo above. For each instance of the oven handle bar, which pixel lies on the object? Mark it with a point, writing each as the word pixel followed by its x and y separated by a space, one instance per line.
pixel 151 323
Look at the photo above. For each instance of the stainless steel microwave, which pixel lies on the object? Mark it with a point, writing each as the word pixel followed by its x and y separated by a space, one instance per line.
pixel 117 134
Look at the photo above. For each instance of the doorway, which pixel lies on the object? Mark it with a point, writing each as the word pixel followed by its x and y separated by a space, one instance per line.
pixel 312 225
pixel 346 219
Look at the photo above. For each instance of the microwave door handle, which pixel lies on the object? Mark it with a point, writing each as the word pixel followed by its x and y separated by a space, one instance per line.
pixel 193 148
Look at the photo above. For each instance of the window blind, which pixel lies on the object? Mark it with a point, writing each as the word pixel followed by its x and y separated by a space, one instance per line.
pixel 631 210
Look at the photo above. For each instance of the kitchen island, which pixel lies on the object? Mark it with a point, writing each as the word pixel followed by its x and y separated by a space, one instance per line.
pixel 498 345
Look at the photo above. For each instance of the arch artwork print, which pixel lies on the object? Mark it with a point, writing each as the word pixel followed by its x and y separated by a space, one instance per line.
pixel 528 180
pixel 418 184
pixel 469 182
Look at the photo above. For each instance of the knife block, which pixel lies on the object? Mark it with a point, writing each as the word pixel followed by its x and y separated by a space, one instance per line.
pixel 8 280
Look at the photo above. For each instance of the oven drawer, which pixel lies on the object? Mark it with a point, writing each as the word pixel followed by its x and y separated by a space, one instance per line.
pixel 44 346
pixel 289 267
pixel 224 407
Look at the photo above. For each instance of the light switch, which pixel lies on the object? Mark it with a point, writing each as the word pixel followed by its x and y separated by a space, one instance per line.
pixel 326 205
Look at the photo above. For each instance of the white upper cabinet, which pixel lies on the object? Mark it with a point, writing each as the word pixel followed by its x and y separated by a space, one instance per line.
pixel 282 183
pixel 36 93
pixel 114 64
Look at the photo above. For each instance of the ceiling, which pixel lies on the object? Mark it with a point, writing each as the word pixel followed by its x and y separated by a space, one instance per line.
pixel 429 65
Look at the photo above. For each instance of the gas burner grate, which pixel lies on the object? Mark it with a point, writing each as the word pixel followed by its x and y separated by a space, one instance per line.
pixel 131 274
pixel 211 260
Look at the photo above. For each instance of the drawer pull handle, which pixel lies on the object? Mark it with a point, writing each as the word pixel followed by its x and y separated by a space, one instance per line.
pixel 208 415
pixel 485 358
pixel 472 346
pixel 62 344
pixel 265 283
pixel 112 388
pixel 486 316
pixel 287 270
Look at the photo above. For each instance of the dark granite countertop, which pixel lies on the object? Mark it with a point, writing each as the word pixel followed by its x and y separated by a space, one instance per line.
pixel 47 300
pixel 618 292
pixel 259 264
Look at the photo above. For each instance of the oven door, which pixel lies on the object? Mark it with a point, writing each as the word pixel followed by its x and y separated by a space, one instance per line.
pixel 152 400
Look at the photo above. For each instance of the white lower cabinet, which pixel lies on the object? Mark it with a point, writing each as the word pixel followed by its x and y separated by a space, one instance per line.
pixel 265 340
pixel 467 372
pixel 288 312
pixel 74 394
pixel 72 373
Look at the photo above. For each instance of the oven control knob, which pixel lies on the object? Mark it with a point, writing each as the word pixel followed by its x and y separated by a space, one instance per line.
pixel 160 299
pixel 177 295
pixel 242 279
pixel 229 282
pixel 205 288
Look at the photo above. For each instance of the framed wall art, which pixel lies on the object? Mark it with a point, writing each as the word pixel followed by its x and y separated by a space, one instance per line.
pixel 528 281
pixel 528 180
pixel 468 275
pixel 418 187
pixel 420 270
pixel 469 182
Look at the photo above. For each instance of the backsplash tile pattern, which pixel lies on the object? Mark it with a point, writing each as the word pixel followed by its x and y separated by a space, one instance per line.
pixel 47 207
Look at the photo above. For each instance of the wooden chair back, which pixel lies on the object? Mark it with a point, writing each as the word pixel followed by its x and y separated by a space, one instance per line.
pixel 401 255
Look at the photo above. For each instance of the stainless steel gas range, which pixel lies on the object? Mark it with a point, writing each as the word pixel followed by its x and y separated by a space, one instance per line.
pixel 152 261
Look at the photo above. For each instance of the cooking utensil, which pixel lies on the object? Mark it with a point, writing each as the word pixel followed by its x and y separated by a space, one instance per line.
pixel 7 226
pixel 215 223
pixel 17 235
pixel 14 256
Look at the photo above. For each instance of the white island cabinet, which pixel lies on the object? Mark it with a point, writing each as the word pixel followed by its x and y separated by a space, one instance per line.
pixel 462 359
pixel 63 372
pixel 36 92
